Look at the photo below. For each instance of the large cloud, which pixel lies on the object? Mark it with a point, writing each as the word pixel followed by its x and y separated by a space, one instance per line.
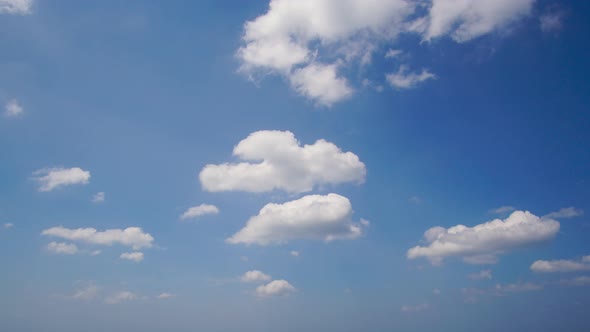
pixel 52 178
pixel 133 237
pixel 312 43
pixel 485 240
pixel 310 217
pixel 562 265
pixel 278 161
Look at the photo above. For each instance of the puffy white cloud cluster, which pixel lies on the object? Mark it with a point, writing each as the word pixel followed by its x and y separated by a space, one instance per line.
pixel 133 237
pixel 483 242
pixel 275 160
pixel 315 217
pixel 52 178
pixel 312 42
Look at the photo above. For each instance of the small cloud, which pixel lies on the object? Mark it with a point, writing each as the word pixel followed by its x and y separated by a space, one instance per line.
pixel 52 178
pixel 502 209
pixel 577 281
pixel 391 53
pixel 552 19
pixel 403 79
pixel 165 295
pixel 484 274
pixel 98 197
pixel 568 212
pixel 120 297
pixel 197 211
pixel 415 200
pixel 255 276
pixel 294 253
pixel 8 225
pixel 136 256
pixel 415 308
pixel 85 294
pixel 62 248
pixel 275 288
pixel 95 252
pixel 12 107
pixel 436 291
pixel 365 222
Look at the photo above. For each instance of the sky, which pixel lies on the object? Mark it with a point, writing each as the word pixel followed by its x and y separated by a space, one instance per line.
pixel 294 165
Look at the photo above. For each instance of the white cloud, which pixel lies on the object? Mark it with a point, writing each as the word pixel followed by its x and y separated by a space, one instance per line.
pixel 132 237
pixel 98 197
pixel 415 308
pixel 85 294
pixel 52 178
pixel 254 276
pixel 391 53
pixel 12 108
pixel 310 217
pixel 483 274
pixel 282 164
pixel 569 212
pixel 120 297
pixel 552 19
pixel 294 253
pixel 489 239
pixel 561 265
pixel 502 209
pixel 467 19
pixel 16 7
pixel 321 83
pixel 403 79
pixel 200 210
pixel 165 295
pixel 8 225
pixel 136 256
pixel 275 288
pixel 62 248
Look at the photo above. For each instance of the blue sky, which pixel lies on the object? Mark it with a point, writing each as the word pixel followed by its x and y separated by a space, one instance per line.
pixel 294 165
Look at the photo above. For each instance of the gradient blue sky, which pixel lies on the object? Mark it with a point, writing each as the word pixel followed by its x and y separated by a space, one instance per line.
pixel 144 94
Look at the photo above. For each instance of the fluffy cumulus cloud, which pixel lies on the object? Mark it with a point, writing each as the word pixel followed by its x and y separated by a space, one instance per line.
pixel 312 43
pixel 275 288
pixel 136 256
pixel 62 248
pixel 52 178
pixel 562 265
pixel 133 237
pixel 12 107
pixel 275 160
pixel 16 7
pixel 485 241
pixel 200 210
pixel 254 276
pixel 315 217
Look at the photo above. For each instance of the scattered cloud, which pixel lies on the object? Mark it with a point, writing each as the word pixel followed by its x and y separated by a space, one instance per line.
pixel 98 197
pixel 517 288
pixel 8 225
pixel 62 248
pixel 415 308
pixel 502 209
pixel 85 294
pixel 284 165
pixel 415 200
pixel 391 53
pixel 472 295
pixel 254 276
pixel 294 253
pixel 315 217
pixel 165 295
pixel 552 19
pixel 16 7
pixel 136 256
pixel 576 281
pixel 569 212
pixel 403 79
pixel 485 240
pixel 12 107
pixel 119 297
pixel 483 274
pixel 198 211
pixel 275 288
pixel 52 178
pixel 561 265
pixel 133 237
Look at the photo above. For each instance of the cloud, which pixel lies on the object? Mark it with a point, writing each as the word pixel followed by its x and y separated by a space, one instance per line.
pixel 294 253
pixel 577 281
pixel 120 297
pixel 275 288
pixel 254 276
pixel 8 225
pixel 488 239
pixel 471 295
pixel 16 7
pixel 85 294
pixel 165 295
pixel 197 211
pixel 403 79
pixel 483 274
pixel 436 291
pixel 502 209
pixel 12 108
pixel 415 308
pixel 136 256
pixel 517 288
pixel 62 248
pixel 52 178
pixel 314 217
pixel 552 19
pixel 282 164
pixel 468 19
pixel 321 83
pixel 132 237
pixel 561 265
pixel 391 53
pixel 415 200
pixel 569 212
pixel 98 197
